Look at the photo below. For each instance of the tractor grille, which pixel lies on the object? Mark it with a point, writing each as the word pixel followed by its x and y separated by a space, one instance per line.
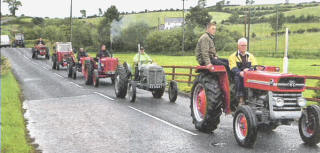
pixel 291 83
pixel 155 76
pixel 290 101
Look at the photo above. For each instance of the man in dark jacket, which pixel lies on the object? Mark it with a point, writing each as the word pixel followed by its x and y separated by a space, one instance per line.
pixel 40 42
pixel 103 52
pixel 81 53
pixel 205 51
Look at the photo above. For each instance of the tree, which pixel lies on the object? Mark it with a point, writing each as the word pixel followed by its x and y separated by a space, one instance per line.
pixel 198 16
pixel 37 20
pixel 13 5
pixel 273 21
pixel 219 5
pixel 202 3
pixel 84 13
pixel 100 12
pixel 111 14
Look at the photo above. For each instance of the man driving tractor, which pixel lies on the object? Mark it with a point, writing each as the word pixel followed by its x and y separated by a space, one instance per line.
pixel 103 52
pixel 143 57
pixel 81 53
pixel 40 42
pixel 240 62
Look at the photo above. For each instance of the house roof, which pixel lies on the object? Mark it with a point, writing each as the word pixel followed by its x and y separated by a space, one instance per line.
pixel 173 20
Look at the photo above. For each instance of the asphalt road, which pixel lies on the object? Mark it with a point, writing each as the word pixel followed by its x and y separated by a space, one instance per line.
pixel 65 115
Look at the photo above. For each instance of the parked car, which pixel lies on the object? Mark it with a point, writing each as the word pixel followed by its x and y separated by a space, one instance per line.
pixel 5 41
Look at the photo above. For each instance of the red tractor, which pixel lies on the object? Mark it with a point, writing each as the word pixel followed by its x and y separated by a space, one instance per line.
pixel 272 99
pixel 62 56
pixel 93 69
pixel 40 50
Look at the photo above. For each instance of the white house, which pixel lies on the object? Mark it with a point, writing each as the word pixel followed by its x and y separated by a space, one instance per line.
pixel 170 23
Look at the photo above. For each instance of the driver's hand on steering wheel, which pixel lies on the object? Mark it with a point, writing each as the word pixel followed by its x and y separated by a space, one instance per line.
pixel 245 70
pixel 260 68
pixel 209 66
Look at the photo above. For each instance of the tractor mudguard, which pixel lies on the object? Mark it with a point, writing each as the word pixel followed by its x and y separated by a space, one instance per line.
pixel 221 72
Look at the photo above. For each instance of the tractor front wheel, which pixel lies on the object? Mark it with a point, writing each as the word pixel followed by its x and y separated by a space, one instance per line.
pixel 173 91
pixel 309 125
pixel 88 75
pixel 206 103
pixel 245 126
pixel 132 91
pixel 69 70
pixel 74 72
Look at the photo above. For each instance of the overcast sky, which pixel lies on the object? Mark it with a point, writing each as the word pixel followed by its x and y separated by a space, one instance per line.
pixel 61 8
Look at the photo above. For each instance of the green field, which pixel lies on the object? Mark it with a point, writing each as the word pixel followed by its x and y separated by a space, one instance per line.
pixel 155 18
pixel 302 11
pixel 13 131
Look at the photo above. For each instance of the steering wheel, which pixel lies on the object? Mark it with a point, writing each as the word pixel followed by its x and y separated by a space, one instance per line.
pixel 256 66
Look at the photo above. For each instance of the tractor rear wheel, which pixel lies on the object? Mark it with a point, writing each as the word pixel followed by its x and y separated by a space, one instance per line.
pixel 58 65
pixel 121 82
pixel 69 70
pixel 245 126
pixel 206 103
pixel 74 72
pixel 54 65
pixel 309 125
pixel 158 93
pixel 95 78
pixel 173 91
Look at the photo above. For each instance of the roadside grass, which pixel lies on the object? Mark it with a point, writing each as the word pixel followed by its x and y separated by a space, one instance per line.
pixel 296 66
pixel 13 130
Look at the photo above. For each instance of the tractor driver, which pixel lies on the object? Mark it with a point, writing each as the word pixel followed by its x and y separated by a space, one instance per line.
pixel 205 51
pixel 144 59
pixel 103 52
pixel 40 42
pixel 240 62
pixel 81 53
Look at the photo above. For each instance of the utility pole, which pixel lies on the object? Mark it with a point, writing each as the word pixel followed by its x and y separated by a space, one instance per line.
pixel 277 26
pixel 183 22
pixel 249 28
pixel 71 22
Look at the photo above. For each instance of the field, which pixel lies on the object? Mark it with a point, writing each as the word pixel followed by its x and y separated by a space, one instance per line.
pixel 296 66
pixel 303 11
pixel 13 131
pixel 155 18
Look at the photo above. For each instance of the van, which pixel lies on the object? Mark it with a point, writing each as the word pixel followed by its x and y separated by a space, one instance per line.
pixel 5 41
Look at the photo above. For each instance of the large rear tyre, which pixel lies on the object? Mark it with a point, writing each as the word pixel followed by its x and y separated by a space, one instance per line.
pixel 74 72
pixel 206 103
pixel 58 66
pixel 309 125
pixel 69 70
pixel 88 75
pixel 245 126
pixel 95 78
pixel 158 93
pixel 132 91
pixel 121 82
pixel 173 91
pixel 54 65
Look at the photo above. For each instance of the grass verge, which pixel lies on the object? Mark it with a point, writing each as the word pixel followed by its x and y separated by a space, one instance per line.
pixel 14 137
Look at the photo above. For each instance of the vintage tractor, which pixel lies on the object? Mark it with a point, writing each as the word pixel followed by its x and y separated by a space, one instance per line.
pixel 272 99
pixel 18 40
pixel 149 76
pixel 94 69
pixel 62 56
pixel 40 50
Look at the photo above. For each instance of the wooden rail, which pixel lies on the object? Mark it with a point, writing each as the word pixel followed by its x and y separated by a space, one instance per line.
pixel 191 74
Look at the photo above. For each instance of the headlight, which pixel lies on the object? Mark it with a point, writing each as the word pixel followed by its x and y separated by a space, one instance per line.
pixel 302 102
pixel 279 102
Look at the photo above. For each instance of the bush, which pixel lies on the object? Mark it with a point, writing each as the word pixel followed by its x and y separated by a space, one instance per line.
pixel 5 65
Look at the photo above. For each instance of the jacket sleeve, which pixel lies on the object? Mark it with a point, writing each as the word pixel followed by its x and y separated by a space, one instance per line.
pixel 233 65
pixel 204 51
pixel 253 60
pixel 135 58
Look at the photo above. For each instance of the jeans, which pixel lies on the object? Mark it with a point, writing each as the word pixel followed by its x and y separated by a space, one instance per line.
pixel 239 85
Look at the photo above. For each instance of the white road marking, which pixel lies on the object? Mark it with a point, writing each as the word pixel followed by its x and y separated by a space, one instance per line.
pixel 44 68
pixel 76 84
pixel 58 75
pixel 103 95
pixel 163 121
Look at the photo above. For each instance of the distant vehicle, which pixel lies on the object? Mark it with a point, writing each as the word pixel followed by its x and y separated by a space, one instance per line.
pixel 62 55
pixel 5 41
pixel 18 40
